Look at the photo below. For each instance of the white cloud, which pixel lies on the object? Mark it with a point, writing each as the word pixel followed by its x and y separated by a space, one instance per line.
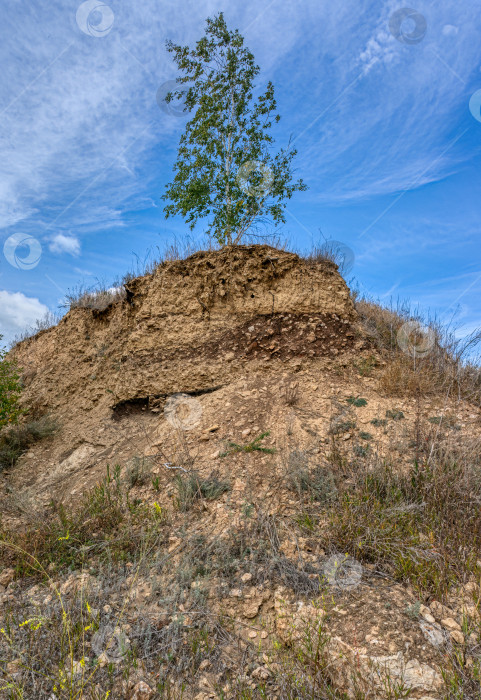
pixel 65 244
pixel 450 30
pixel 17 313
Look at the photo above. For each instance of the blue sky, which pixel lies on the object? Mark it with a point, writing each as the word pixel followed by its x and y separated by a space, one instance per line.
pixel 386 140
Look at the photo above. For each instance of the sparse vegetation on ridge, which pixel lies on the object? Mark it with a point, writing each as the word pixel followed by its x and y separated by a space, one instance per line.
pixel 216 571
pixel 10 390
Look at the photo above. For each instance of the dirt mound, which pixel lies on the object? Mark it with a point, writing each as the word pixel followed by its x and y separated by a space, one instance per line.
pixel 190 325
pixel 237 501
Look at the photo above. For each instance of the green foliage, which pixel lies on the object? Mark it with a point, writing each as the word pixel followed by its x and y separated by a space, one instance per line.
pixel 356 401
pixel 16 440
pixel 378 421
pixel 253 446
pixel 395 414
pixel 366 365
pixel 339 427
pixel 191 487
pixel 225 170
pixel 10 390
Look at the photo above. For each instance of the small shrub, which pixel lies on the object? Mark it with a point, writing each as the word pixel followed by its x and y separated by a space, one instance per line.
pixel 356 401
pixel 138 471
pixel 339 427
pixel 365 436
pixel 291 394
pixel 18 439
pixel 366 365
pixel 413 611
pixel 319 484
pixel 191 487
pixel 253 446
pixel 10 390
pixel 361 450
pixel 378 422
pixel 395 414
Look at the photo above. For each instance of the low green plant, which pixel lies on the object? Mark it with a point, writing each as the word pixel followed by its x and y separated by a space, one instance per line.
pixel 10 390
pixel 395 414
pixel 339 427
pixel 356 401
pixel 17 439
pixel 318 484
pixel 190 487
pixel 253 446
pixel 413 611
pixel 366 365
pixel 378 422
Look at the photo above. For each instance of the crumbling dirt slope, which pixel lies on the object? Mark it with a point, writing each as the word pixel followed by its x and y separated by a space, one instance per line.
pixel 204 356
pixel 189 326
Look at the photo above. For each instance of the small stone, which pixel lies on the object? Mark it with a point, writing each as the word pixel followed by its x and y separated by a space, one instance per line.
pixel 251 609
pixel 252 634
pixel 246 577
pixel 457 636
pixel 428 617
pixel 142 691
pixel 264 634
pixel 450 624
pixel 433 633
pixel 6 577
pixel 261 673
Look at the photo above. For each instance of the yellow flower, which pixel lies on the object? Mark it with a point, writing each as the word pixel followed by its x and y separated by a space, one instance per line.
pixel 65 538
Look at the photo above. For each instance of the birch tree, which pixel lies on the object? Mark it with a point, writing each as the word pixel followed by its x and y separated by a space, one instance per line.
pixel 226 170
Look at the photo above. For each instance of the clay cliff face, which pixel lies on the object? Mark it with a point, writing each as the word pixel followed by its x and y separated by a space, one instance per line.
pixel 190 326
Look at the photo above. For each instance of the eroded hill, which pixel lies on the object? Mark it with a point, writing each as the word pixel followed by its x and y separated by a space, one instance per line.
pixel 247 509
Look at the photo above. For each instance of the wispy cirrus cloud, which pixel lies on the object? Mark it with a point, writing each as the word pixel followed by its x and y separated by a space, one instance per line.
pixel 65 244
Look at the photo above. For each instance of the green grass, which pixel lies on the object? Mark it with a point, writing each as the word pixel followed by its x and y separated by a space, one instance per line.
pixel 253 446
pixel 191 487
